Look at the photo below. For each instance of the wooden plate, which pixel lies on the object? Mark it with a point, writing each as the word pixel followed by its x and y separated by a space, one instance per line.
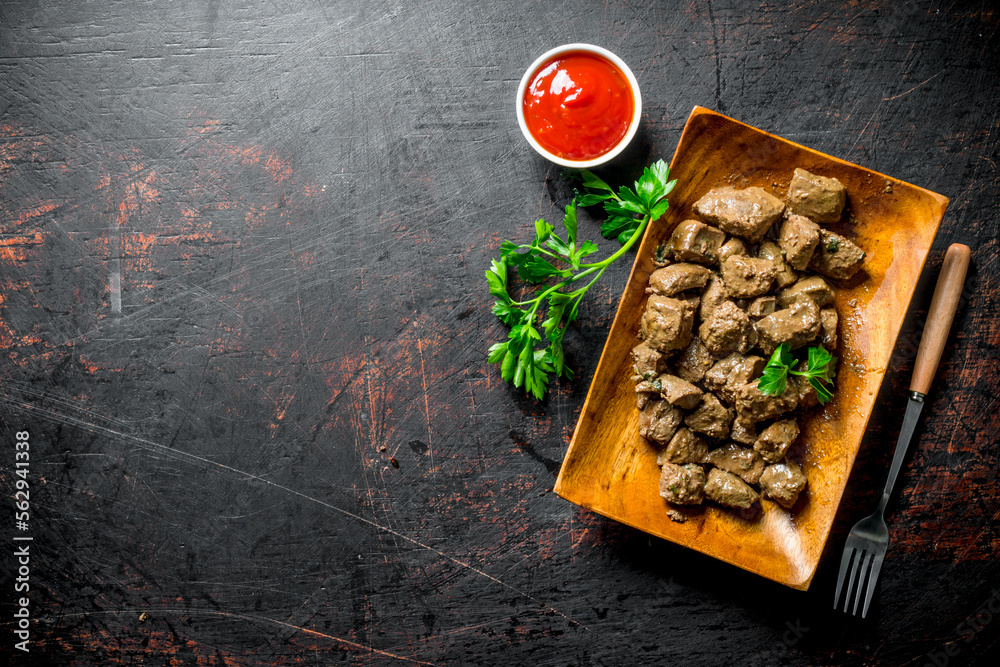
pixel 611 470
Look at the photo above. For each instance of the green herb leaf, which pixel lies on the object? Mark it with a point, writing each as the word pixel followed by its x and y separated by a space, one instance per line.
pixel 508 313
pixel 773 380
pixel 569 222
pixel 496 278
pixel 592 198
pixel 820 365
pixel 498 352
pixel 594 182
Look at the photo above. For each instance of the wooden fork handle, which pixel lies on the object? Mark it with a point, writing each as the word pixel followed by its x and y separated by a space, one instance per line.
pixel 947 294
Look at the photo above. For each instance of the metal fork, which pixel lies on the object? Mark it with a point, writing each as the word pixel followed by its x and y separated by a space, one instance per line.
pixel 869 539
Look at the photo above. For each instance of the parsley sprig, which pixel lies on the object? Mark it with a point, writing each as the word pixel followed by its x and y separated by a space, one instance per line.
pixel 819 367
pixel 525 358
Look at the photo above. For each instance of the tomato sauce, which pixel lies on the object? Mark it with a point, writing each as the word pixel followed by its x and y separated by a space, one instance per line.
pixel 578 106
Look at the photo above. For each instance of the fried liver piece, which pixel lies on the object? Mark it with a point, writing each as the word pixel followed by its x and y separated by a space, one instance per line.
pixel 647 362
pixel 645 391
pixel 666 323
pixel 714 294
pixel 684 447
pixel 733 246
pixel 762 306
pixel 731 373
pixel 658 421
pixel 711 418
pixel 819 198
pixel 727 489
pixel 796 325
pixel 741 461
pixel 782 483
pixel 828 328
pixel 694 241
pixel 745 213
pixel 743 431
pixel 836 256
pixel 679 392
pixel 692 363
pixel 746 277
pixel 798 237
pixel 805 391
pixel 773 442
pixel 682 484
pixel 814 287
pixel 754 406
pixel 723 330
pixel 785 275
pixel 675 278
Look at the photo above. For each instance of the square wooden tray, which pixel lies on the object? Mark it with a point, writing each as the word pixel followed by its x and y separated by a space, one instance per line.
pixel 611 470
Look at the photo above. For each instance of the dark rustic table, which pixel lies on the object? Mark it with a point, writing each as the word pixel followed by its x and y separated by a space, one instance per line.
pixel 243 322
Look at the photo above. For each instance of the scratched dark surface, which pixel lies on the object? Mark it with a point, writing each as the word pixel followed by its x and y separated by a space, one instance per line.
pixel 243 316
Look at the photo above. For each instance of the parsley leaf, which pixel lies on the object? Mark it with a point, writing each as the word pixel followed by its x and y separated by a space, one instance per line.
pixel 820 365
pixel 819 371
pixel 772 380
pixel 628 208
pixel 526 360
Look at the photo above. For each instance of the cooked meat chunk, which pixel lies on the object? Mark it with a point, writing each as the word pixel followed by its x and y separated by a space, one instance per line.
pixel 799 237
pixel 727 489
pixel 836 256
pixel 675 278
pixel 741 461
pixel 749 340
pixel 714 294
pixel 693 361
pixel 796 325
pixel 646 391
pixel 731 373
pixel 814 287
pixel 675 515
pixel 745 213
pixel 711 418
pixel 806 393
pixel 747 276
pixel 819 198
pixel 760 307
pixel 661 256
pixel 782 483
pixel 723 331
pixel 693 299
pixel 666 323
pixel 647 362
pixel 684 447
pixel 659 420
pixel 770 251
pixel 774 441
pixel 694 241
pixel 828 328
pixel 733 246
pixel 682 485
pixel 743 431
pixel 754 406
pixel 719 374
pixel 679 392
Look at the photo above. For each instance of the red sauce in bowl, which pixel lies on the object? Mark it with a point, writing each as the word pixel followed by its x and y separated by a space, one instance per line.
pixel 578 105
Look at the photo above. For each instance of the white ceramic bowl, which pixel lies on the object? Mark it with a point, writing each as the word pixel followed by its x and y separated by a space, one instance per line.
pixel 632 127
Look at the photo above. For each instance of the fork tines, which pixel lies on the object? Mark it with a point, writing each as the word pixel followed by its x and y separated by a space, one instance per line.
pixel 859 568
